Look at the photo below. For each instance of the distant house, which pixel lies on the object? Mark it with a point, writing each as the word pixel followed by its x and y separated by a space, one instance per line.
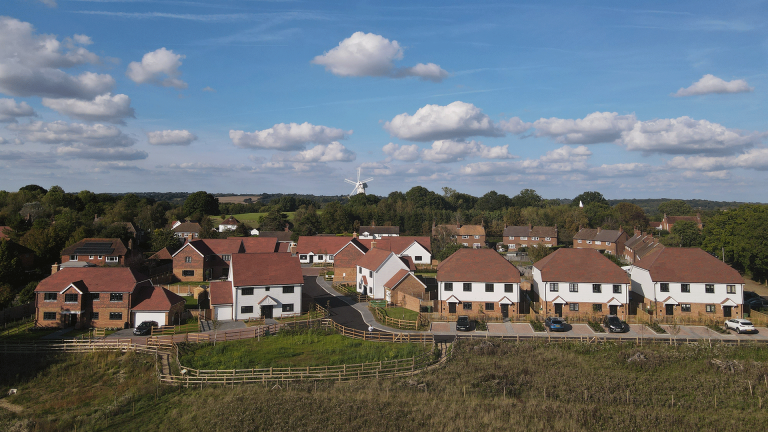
pixel 345 261
pixel 406 290
pixel 655 225
pixel 605 241
pixel 376 269
pixel 25 254
pixel 260 286
pixel 202 260
pixel 669 221
pixel 377 232
pixel 467 235
pixel 640 245
pixel 229 224
pixel 580 282
pixel 98 251
pixel 186 230
pixel 281 236
pixel 319 249
pixel 516 237
pixel 419 249
pixel 478 281
pixel 688 283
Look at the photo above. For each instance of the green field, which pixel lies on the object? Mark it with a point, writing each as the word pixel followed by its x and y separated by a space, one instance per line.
pixel 250 219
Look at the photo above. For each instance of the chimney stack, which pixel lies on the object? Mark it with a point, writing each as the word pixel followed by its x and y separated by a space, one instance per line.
pixel 287 227
pixel 54 269
pixel 354 235
pixel 599 229
pixel 373 243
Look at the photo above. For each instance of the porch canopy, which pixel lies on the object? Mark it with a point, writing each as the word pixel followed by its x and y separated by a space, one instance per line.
pixel 452 299
pixel 670 300
pixel 268 301
pixel 559 300
pixel 505 300
pixel 728 302
pixel 614 302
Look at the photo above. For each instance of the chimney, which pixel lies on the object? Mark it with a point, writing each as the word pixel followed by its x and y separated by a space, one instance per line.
pixel 599 229
pixel 373 244
pixel 130 244
pixel 293 249
pixel 354 235
pixel 54 269
pixel 287 226
pixel 373 223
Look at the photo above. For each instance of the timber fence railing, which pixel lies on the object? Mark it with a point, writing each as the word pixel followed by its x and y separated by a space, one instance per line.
pixel 669 340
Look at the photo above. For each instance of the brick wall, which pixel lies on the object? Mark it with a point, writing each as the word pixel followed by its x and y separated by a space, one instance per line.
pixel 345 262
pixel 197 265
pixel 585 309
pixel 95 260
pixel 475 311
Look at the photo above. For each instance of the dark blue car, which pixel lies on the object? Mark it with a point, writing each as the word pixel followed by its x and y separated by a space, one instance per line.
pixel 555 324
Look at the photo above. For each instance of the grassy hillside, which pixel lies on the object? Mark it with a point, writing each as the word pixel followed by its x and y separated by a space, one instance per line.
pixel 487 385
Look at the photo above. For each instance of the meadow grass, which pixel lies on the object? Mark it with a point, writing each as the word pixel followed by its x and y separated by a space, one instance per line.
pixel 401 313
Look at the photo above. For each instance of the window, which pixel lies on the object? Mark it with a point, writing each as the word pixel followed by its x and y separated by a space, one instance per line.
pixel 246 291
pixel 90 256
pixel 685 307
pixel 467 306
pixel 465 236
pixel 94 316
pixel 303 257
pixel 597 242
pixel 266 289
pixel 115 316
pixel 188 259
pixel 730 289
pixel 508 288
pixel 246 309
pixel 573 287
pixel 548 238
pixel 360 270
pixel 589 241
pixel 101 256
pixel 511 238
pixel 50 296
pixel 513 246
pixel 685 288
pixel 70 298
pixel 573 307
pixel 553 287
pixel 597 288
pixel 73 257
pixel 617 289
pixel 710 308
pixel 116 297
pixel 417 258
pixel 489 306
pixel 112 259
pixel 477 237
pixel 709 288
pixel 287 290
pixel 597 308
pixel 523 238
pixel 534 238
pixel 188 273
pixel 49 316
pixel 467 286
pixel 288 307
pixel 319 257
pixel 664 287
pixel 448 286
pixel 226 257
pixel 579 241
pixel 489 287
pixel 465 244
pixel 607 243
pixel 95 297
pixel 370 273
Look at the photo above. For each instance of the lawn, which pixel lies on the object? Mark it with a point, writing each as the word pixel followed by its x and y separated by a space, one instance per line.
pixel 401 313
pixel 293 349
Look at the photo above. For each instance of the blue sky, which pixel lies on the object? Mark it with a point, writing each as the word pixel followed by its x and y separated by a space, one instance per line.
pixel 641 100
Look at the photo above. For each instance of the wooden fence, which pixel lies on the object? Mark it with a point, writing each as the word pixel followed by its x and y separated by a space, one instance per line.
pixel 758 318
pixel 82 345
pixel 382 317
pixel 670 340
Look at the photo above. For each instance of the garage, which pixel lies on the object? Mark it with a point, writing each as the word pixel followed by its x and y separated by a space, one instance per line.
pixel 140 317
pixel 223 312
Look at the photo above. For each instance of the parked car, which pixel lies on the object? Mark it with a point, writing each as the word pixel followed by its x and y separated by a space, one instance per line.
pixel 463 323
pixel 740 325
pixel 757 304
pixel 555 324
pixel 749 295
pixel 145 328
pixel 614 324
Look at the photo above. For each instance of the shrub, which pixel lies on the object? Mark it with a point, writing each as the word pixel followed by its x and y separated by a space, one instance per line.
pixel 537 326
pixel 596 326
pixel 657 328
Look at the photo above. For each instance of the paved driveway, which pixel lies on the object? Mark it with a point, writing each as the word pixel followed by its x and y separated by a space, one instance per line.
pixel 497 328
pixel 522 329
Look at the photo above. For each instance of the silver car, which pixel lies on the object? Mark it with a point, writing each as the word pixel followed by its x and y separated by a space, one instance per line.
pixel 740 325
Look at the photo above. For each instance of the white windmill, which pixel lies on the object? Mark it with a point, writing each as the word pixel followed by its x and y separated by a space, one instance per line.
pixel 359 185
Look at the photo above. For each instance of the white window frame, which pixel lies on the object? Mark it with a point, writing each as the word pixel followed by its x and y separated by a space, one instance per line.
pixel 597 242
pixel 113 259
pixel 523 238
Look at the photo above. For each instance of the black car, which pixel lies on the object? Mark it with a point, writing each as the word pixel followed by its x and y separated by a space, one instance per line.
pixel 463 323
pixel 749 295
pixel 145 328
pixel 614 324
pixel 555 324
pixel 757 304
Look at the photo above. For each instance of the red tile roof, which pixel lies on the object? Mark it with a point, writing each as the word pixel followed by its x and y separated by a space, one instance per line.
pixel 397 245
pixel 119 247
pixel 230 221
pixel 226 246
pixel 162 254
pixel 261 269
pixel 580 266
pixel 400 276
pixel 321 244
pixel 152 298
pixel 689 265
pixel 259 244
pixel 4 230
pixel 598 234
pixel 221 292
pixel 187 227
pixel 373 258
pixel 97 279
pixel 477 265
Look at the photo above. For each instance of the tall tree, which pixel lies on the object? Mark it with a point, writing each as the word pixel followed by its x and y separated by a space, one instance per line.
pixel 207 231
pixel 493 201
pixel 589 197
pixel 165 238
pixel 273 221
pixel 527 198
pixel 675 208
pixel 202 203
pixel 631 216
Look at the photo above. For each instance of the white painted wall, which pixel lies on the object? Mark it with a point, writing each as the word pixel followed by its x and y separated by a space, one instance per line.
pixel 316 258
pixel 159 317
pixel 380 276
pixel 478 293
pixel 274 291
pixel 585 293
pixel 223 312
pixel 415 250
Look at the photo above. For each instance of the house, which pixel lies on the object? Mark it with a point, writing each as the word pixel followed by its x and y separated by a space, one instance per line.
pixel 376 268
pixel 669 221
pixel 688 283
pixel 640 245
pixel 319 249
pixel 419 249
pixel 261 285
pixel 605 241
pixel 406 290
pixel 281 236
pixel 104 297
pixel 478 281
pixel 516 237
pixel 377 232
pixel 580 282
pixel 202 260
pixel 468 235
pixel 345 261
pixel 654 225
pixel 98 252
pixel 186 230
pixel 229 224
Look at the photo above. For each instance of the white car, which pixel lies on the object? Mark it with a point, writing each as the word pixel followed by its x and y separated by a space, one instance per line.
pixel 740 325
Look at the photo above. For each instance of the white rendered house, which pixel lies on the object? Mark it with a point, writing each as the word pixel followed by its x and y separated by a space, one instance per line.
pixel 375 269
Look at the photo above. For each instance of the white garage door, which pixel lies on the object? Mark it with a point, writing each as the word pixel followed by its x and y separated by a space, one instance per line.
pixel 140 317
pixel 223 313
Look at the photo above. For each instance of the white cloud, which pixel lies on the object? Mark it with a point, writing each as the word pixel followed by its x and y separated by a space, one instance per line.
pixel 435 122
pixel 10 109
pixel 106 108
pixel 514 125
pixel 566 159
pixel 452 151
pixel 104 154
pixel 30 64
pixel 756 159
pixel 160 67
pixel 402 152
pixel 685 135
pixel 567 153
pixel 59 132
pixel 711 84
pixel 208 89
pixel 333 152
pixel 631 169
pixel 171 137
pixel 49 3
pixel 287 137
pixel 598 127
pixel 368 54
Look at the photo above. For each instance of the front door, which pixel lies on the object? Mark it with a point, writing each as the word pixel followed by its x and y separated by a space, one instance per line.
pixel 614 310
pixel 311 258
pixel 73 319
pixel 505 310
pixel 727 311
pixel 451 307
pixel 559 309
pixel 670 309
pixel 266 312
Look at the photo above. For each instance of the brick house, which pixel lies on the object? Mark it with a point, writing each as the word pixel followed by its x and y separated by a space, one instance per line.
pixel 516 237
pixel 418 249
pixel 202 260
pixel 640 245
pixel 319 249
pixel 345 261
pixel 376 268
pixel 468 235
pixel 573 282
pixel 406 290
pixel 605 241
pixel 98 251
pixel 669 221
pixel 154 303
pixel 478 281
pixel 688 283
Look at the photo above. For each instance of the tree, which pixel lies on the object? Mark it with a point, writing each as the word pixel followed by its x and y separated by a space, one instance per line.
pixel 424 198
pixel 675 208
pixel 448 250
pixel 241 231
pixel 201 202
pixel 514 217
pixel 6 295
pixel 538 252
pixel 165 238
pixel 631 216
pixel 493 201
pixel 590 197
pixel 527 198
pixel 27 294
pixel 10 264
pixel 34 189
pixel 273 221
pixel 116 231
pixel 599 214
pixel 207 231
pixel 688 233
pixel 335 218
pixel 309 222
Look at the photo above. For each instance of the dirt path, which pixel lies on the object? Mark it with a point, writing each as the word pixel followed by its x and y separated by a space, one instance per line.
pixel 11 407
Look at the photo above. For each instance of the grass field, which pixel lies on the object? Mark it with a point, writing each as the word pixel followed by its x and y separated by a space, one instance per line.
pixel 486 385
pixel 401 313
